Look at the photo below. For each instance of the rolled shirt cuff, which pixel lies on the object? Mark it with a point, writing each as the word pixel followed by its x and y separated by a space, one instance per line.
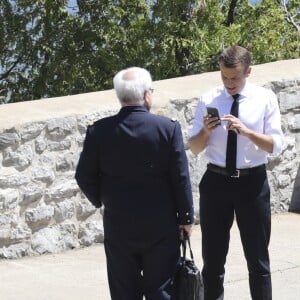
pixel 277 144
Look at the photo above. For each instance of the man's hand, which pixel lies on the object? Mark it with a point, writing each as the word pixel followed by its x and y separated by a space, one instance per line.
pixel 263 141
pixel 236 125
pixel 210 123
pixel 187 228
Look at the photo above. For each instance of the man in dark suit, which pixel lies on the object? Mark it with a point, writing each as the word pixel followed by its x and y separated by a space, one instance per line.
pixel 134 163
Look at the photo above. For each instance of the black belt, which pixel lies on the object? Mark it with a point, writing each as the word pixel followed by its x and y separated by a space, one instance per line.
pixel 238 173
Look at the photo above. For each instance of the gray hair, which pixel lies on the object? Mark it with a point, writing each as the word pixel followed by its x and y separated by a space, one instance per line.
pixel 130 85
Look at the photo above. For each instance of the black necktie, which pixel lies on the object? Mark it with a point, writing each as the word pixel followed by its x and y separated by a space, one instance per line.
pixel 232 139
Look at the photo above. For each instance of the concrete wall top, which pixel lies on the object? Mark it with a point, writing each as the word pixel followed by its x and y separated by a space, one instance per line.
pixel 16 114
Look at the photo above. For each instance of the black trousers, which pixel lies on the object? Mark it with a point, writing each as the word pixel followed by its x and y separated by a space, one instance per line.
pixel 248 198
pixel 142 267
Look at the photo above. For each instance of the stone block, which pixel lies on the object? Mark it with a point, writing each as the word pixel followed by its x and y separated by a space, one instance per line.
pixel 90 233
pixel 39 217
pixel 20 158
pixel 43 174
pixel 59 146
pixel 15 251
pixel 9 139
pixel 13 180
pixel 54 239
pixel 40 145
pixel 85 209
pixel 294 121
pixel 9 198
pixel 31 131
pixel 58 129
pixel 65 162
pixel 289 100
pixel 62 191
pixel 64 210
pixel 31 194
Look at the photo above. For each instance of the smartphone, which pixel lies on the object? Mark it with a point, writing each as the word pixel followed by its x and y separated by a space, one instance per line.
pixel 213 111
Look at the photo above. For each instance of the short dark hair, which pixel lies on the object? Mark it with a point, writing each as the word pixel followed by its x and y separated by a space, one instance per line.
pixel 234 55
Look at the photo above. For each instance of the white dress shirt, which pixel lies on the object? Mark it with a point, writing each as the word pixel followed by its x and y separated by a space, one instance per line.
pixel 258 110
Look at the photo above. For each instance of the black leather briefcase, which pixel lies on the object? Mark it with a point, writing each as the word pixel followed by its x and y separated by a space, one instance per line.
pixel 188 280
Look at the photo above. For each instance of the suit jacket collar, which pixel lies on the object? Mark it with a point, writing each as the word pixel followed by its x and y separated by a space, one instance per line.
pixel 125 110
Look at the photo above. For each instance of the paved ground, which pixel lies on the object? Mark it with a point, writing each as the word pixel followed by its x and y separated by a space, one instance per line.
pixel 81 274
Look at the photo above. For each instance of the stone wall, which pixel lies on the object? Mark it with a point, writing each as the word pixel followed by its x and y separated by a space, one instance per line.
pixel 41 207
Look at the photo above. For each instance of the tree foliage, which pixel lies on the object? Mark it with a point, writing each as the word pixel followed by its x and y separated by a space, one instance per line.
pixel 48 48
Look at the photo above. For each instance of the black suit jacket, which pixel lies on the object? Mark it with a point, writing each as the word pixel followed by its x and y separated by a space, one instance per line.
pixel 135 164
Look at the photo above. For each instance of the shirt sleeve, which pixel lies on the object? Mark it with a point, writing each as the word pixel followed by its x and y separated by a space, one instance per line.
pixel 273 124
pixel 198 120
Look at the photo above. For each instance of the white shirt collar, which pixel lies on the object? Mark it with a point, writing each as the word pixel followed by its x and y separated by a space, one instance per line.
pixel 243 92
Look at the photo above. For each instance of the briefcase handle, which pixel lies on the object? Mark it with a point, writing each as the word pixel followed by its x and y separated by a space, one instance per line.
pixel 186 239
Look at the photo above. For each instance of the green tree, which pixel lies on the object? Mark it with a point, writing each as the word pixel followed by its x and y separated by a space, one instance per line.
pixel 35 48
pixel 115 32
pixel 291 29
pixel 48 50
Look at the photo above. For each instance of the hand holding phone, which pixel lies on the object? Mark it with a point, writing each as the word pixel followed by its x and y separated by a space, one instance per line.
pixel 213 112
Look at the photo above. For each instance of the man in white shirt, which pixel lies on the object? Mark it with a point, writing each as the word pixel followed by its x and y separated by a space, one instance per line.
pixel 235 183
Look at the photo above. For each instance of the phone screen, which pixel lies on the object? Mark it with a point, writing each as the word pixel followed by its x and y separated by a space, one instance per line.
pixel 213 111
